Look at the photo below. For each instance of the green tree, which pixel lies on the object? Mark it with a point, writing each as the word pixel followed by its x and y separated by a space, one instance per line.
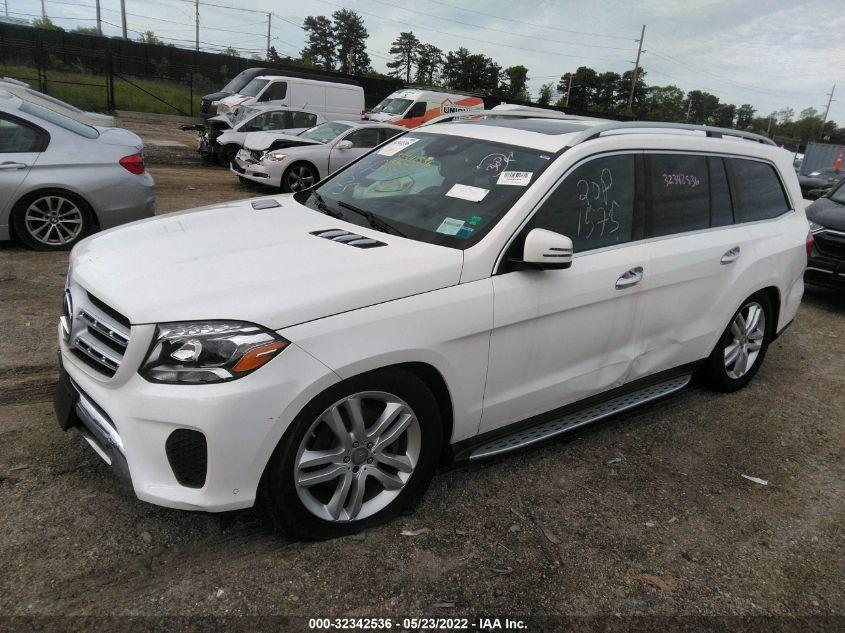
pixel 724 115
pixel 701 106
pixel 405 50
pixel 664 103
pixel 46 23
pixel 320 49
pixel 231 51
pixel 583 88
pixel 624 91
pixel 429 61
pixel 351 38
pixel 607 96
pixel 785 115
pixel 85 30
pixel 515 85
pixel 744 116
pixel 148 37
pixel 463 70
pixel 546 93
pixel 273 55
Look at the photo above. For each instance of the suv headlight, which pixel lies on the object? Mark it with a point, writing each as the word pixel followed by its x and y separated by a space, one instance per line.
pixel 200 352
pixel 274 156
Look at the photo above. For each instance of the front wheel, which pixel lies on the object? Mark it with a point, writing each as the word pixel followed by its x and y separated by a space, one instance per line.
pixel 741 348
pixel 299 177
pixel 356 456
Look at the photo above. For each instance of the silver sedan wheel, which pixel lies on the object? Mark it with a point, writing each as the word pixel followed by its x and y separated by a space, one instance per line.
pixel 300 177
pixel 747 331
pixel 357 456
pixel 54 220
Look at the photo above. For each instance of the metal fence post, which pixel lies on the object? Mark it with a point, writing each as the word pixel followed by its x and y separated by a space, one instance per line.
pixel 111 105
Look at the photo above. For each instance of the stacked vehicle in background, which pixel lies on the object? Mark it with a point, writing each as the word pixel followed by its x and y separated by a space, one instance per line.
pixel 294 163
pixel 414 106
pixel 826 260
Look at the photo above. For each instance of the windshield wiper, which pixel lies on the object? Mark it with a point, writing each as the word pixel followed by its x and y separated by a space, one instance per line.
pixel 373 220
pixel 322 206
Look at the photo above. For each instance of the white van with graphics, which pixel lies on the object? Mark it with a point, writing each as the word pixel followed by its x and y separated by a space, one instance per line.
pixel 335 99
pixel 411 107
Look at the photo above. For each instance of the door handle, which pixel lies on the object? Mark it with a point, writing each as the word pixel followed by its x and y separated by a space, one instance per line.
pixel 12 165
pixel 630 278
pixel 731 256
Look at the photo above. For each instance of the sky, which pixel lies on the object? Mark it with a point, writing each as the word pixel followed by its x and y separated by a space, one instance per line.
pixel 769 53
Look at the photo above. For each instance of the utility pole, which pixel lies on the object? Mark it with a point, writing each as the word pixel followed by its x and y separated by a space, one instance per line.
pixel 269 24
pixel 99 24
pixel 43 10
pixel 197 14
pixel 6 4
pixel 827 109
pixel 123 18
pixel 769 128
pixel 569 88
pixel 636 71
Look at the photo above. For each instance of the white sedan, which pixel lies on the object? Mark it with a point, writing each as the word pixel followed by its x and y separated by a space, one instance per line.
pixel 296 162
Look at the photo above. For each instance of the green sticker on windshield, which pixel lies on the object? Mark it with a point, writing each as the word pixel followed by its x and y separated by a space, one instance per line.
pixel 475 220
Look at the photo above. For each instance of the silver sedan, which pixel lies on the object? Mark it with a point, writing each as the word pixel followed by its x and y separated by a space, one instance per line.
pixel 61 178
pixel 294 163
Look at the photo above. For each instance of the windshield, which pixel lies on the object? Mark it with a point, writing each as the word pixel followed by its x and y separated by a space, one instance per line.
pixel 241 114
pixel 59 119
pixel 254 87
pixel 238 82
pixel 325 132
pixel 444 190
pixel 394 106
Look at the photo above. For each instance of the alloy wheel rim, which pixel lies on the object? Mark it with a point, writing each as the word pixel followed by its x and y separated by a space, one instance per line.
pixel 53 220
pixel 357 456
pixel 300 178
pixel 746 334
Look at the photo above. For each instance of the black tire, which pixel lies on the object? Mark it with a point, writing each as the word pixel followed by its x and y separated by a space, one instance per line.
pixel 245 181
pixel 286 185
pixel 278 494
pixel 27 230
pixel 715 372
pixel 226 154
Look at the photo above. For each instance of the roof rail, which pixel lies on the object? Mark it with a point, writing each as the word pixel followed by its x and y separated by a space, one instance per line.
pixel 511 114
pixel 596 131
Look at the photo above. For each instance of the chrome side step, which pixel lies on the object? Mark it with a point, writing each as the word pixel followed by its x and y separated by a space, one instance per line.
pixel 573 420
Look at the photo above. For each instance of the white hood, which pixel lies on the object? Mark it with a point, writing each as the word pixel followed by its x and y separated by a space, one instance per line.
pixel 232 261
pixel 263 140
pixel 382 117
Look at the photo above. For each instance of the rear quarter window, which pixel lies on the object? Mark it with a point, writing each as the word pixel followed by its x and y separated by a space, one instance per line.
pixel 757 190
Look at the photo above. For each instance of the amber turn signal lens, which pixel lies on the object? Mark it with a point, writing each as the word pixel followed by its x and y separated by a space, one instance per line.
pixel 258 356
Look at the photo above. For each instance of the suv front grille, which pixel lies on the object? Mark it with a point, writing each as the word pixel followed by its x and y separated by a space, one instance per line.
pixel 99 335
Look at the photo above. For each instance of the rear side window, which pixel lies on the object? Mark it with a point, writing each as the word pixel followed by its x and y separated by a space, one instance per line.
pixel 594 205
pixel 678 190
pixel 303 119
pixel 757 190
pixel 19 138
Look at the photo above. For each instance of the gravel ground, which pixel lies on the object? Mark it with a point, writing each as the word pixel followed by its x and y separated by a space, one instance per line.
pixel 647 513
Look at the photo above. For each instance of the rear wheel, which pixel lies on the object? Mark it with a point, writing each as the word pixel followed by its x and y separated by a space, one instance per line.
pixel 298 177
pixel 740 351
pixel 52 220
pixel 356 456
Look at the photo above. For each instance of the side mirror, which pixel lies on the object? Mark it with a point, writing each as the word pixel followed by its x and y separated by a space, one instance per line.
pixel 344 145
pixel 546 250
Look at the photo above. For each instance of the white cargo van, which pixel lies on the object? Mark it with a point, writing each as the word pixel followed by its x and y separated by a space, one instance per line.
pixel 411 107
pixel 336 100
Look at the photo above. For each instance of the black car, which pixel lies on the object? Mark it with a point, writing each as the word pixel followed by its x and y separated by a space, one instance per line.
pixel 818 181
pixel 826 261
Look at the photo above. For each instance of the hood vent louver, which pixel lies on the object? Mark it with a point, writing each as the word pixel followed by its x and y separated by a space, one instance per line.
pixel 345 237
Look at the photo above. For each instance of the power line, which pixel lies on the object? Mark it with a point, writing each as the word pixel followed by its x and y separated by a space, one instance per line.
pixel 490 28
pixel 475 39
pixel 531 24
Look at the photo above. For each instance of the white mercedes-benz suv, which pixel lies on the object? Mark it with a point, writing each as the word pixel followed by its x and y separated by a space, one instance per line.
pixel 474 286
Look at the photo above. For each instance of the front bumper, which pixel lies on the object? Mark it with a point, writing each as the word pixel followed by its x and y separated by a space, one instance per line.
pixel 129 420
pixel 248 168
pixel 826 262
